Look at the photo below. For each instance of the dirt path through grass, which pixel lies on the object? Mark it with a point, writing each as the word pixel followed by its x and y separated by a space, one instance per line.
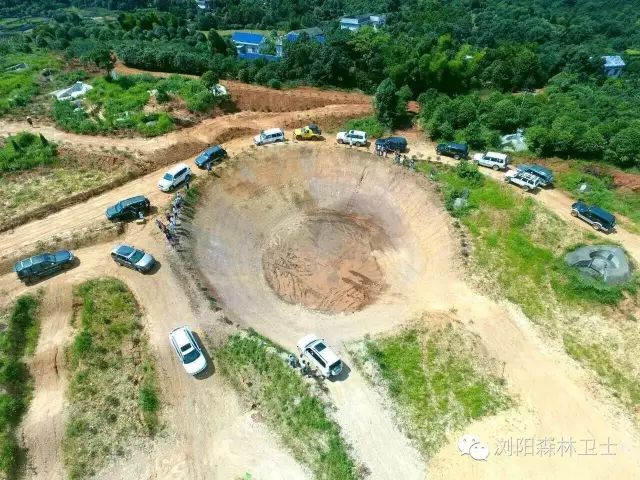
pixel 43 427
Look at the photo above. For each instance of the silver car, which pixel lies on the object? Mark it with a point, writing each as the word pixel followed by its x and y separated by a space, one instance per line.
pixel 133 258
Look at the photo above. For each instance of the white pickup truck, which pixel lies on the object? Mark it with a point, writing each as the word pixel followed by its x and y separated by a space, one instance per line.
pixel 497 161
pixel 526 181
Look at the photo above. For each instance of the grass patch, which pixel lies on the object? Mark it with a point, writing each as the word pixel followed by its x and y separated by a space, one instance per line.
pixel 108 361
pixel 119 104
pixel 25 151
pixel 286 401
pixel 24 191
pixel 371 125
pixel 17 340
pixel 615 376
pixel 17 89
pixel 439 380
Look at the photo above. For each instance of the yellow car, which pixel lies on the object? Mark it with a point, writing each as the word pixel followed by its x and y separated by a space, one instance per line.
pixel 310 132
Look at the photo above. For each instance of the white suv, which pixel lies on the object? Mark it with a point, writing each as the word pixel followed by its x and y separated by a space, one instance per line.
pixel 272 135
pixel 353 137
pixel 497 161
pixel 188 351
pixel 319 355
pixel 174 177
pixel 526 181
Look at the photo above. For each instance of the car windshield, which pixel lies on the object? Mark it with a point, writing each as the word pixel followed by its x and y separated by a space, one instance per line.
pixel 168 176
pixel 192 356
pixel 117 207
pixel 335 367
pixel 136 256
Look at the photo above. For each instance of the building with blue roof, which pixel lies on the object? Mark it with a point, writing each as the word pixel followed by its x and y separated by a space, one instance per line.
pixel 248 42
pixel 612 65
pixel 314 33
pixel 356 22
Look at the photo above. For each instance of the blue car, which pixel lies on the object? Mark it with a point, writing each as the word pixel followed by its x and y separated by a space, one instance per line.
pixel 43 265
pixel 598 218
pixel 211 155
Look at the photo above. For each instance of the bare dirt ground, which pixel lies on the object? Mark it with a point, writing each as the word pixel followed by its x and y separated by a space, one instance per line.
pixel 209 433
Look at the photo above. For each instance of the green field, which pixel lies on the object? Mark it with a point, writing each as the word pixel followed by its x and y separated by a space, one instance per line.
pixel 17 341
pixel 113 396
pixel 17 89
pixel 440 380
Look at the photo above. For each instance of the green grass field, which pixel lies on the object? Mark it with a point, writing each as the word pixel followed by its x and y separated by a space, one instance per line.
pixel 439 379
pixel 113 396
pixel 287 403
pixel 17 89
pixel 17 341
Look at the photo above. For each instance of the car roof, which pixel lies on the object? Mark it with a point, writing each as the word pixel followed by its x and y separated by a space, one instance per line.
pixel 501 156
pixel 328 354
pixel 180 336
pixel 211 150
pixel 462 146
pixel 271 131
pixel 123 249
pixel 131 200
pixel 537 168
pixel 306 340
pixel 177 168
pixel 602 213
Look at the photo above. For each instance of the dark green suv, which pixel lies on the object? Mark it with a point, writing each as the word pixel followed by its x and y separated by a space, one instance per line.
pixel 43 265
pixel 128 209
pixel 454 150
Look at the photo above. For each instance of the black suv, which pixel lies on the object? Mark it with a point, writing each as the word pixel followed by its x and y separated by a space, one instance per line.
pixel 392 144
pixel 454 150
pixel 43 265
pixel 128 209
pixel 210 155
pixel 595 216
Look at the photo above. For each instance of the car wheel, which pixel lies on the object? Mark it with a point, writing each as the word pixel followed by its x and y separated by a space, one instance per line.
pixel 574 213
pixel 526 188
pixel 340 142
pixel 495 167
pixel 298 137
pixel 597 226
pixel 476 162
pixel 456 157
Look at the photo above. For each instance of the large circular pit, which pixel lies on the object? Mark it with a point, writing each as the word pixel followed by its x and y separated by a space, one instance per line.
pixel 312 237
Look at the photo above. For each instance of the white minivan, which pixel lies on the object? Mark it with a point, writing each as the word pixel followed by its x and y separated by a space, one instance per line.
pixel 272 135
pixel 174 177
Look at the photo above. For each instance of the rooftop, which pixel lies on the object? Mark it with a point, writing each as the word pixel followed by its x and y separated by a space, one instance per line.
pixel 613 61
pixel 247 37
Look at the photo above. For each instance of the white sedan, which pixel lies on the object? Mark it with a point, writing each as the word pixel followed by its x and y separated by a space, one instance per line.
pixel 188 350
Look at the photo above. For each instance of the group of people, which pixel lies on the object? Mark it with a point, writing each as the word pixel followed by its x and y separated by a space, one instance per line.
pixel 399 159
pixel 303 364
pixel 170 229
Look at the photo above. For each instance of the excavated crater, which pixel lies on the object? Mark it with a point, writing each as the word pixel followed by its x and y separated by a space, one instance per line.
pixel 300 234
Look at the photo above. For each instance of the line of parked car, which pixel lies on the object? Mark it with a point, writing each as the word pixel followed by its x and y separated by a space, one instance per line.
pixel 529 177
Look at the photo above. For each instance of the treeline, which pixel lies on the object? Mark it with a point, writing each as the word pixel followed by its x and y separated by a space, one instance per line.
pixel 570 118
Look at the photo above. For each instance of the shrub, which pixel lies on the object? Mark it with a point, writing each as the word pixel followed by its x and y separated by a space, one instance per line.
pixel 25 151
pixel 371 125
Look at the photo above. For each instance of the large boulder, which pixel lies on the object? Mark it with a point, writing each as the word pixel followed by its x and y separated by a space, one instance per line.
pixel 607 262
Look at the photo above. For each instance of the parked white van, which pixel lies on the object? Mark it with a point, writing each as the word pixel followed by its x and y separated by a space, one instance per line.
pixel 272 135
pixel 320 356
pixel 497 161
pixel 174 177
pixel 353 137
